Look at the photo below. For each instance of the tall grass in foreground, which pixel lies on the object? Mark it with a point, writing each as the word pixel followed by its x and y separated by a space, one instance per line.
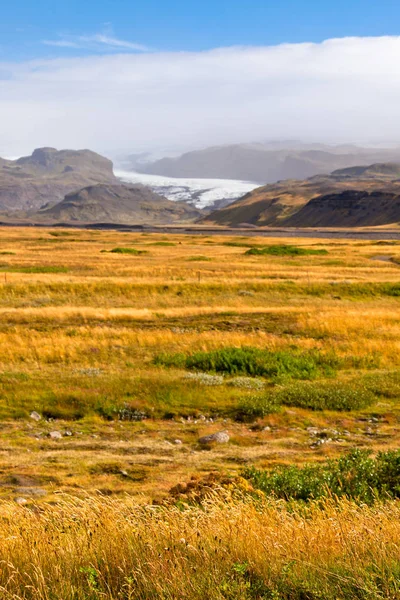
pixel 100 548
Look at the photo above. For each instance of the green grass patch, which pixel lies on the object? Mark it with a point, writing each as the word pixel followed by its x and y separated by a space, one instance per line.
pixel 255 406
pixel 284 250
pixel 166 244
pixel 257 362
pixel 355 476
pixel 326 395
pixel 133 251
pixel 61 233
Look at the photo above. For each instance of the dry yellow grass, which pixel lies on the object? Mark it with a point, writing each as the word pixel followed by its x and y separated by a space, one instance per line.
pixel 100 548
pixel 80 327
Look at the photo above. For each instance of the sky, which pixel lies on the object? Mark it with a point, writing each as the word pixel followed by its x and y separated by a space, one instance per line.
pixel 122 75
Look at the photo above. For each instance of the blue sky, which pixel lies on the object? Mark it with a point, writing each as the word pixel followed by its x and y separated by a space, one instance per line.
pixel 156 75
pixel 182 24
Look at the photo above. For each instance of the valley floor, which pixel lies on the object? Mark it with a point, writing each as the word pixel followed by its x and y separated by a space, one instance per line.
pixel 130 347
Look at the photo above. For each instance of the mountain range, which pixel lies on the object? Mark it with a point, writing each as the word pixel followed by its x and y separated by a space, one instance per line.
pixel 79 186
pixel 264 162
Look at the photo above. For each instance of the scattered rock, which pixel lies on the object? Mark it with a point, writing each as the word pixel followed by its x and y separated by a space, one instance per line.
pixel 220 437
pixel 178 442
pixel 68 433
pixel 267 428
pixel 21 501
pixel 35 416
pixel 132 414
pixel 124 473
pixel 55 435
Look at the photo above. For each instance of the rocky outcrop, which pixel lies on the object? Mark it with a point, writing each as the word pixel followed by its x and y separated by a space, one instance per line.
pixel 127 204
pixel 48 175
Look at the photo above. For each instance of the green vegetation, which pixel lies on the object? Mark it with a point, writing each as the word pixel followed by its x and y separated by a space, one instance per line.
pixel 127 251
pixel 164 244
pixel 257 362
pixel 354 476
pixel 284 250
pixel 255 406
pixel 327 395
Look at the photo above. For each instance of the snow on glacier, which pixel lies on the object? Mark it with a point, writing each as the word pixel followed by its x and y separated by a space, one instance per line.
pixel 201 193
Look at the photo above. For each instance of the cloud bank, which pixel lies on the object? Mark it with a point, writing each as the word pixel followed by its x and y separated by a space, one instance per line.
pixel 341 90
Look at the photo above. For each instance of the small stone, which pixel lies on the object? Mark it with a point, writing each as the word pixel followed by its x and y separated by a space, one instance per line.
pixel 68 433
pixel 35 416
pixel 267 428
pixel 220 437
pixel 178 442
pixel 55 435
pixel 124 473
pixel 21 501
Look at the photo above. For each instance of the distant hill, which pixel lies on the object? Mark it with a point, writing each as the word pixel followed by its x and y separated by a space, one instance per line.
pixel 350 208
pixel 364 195
pixel 266 163
pixel 48 174
pixel 128 204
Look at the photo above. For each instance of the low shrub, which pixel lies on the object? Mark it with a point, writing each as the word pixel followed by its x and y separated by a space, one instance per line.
pixel 284 250
pixel 246 383
pixel 354 476
pixel 254 406
pixel 327 395
pixel 127 251
pixel 257 362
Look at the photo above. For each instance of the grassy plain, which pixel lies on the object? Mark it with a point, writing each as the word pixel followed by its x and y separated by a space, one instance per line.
pixel 111 349
pixel 80 327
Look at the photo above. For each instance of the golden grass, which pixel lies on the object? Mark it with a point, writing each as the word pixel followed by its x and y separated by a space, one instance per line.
pixel 80 343
pixel 101 548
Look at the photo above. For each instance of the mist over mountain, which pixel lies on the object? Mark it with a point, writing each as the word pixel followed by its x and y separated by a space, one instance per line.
pixel 266 162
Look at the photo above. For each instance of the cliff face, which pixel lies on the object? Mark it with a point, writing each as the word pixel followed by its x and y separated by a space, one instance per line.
pixel 48 174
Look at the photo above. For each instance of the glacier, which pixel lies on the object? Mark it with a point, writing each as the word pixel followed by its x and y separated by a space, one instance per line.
pixel 201 193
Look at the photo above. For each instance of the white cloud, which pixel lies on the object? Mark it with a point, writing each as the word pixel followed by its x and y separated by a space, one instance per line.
pixel 342 89
pixel 98 41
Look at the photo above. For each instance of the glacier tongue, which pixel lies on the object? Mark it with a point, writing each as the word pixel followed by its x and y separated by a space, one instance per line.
pixel 201 193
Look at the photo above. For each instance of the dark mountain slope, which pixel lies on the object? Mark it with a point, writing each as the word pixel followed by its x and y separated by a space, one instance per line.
pixel 279 204
pixel 348 209
pixel 48 174
pixel 134 204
